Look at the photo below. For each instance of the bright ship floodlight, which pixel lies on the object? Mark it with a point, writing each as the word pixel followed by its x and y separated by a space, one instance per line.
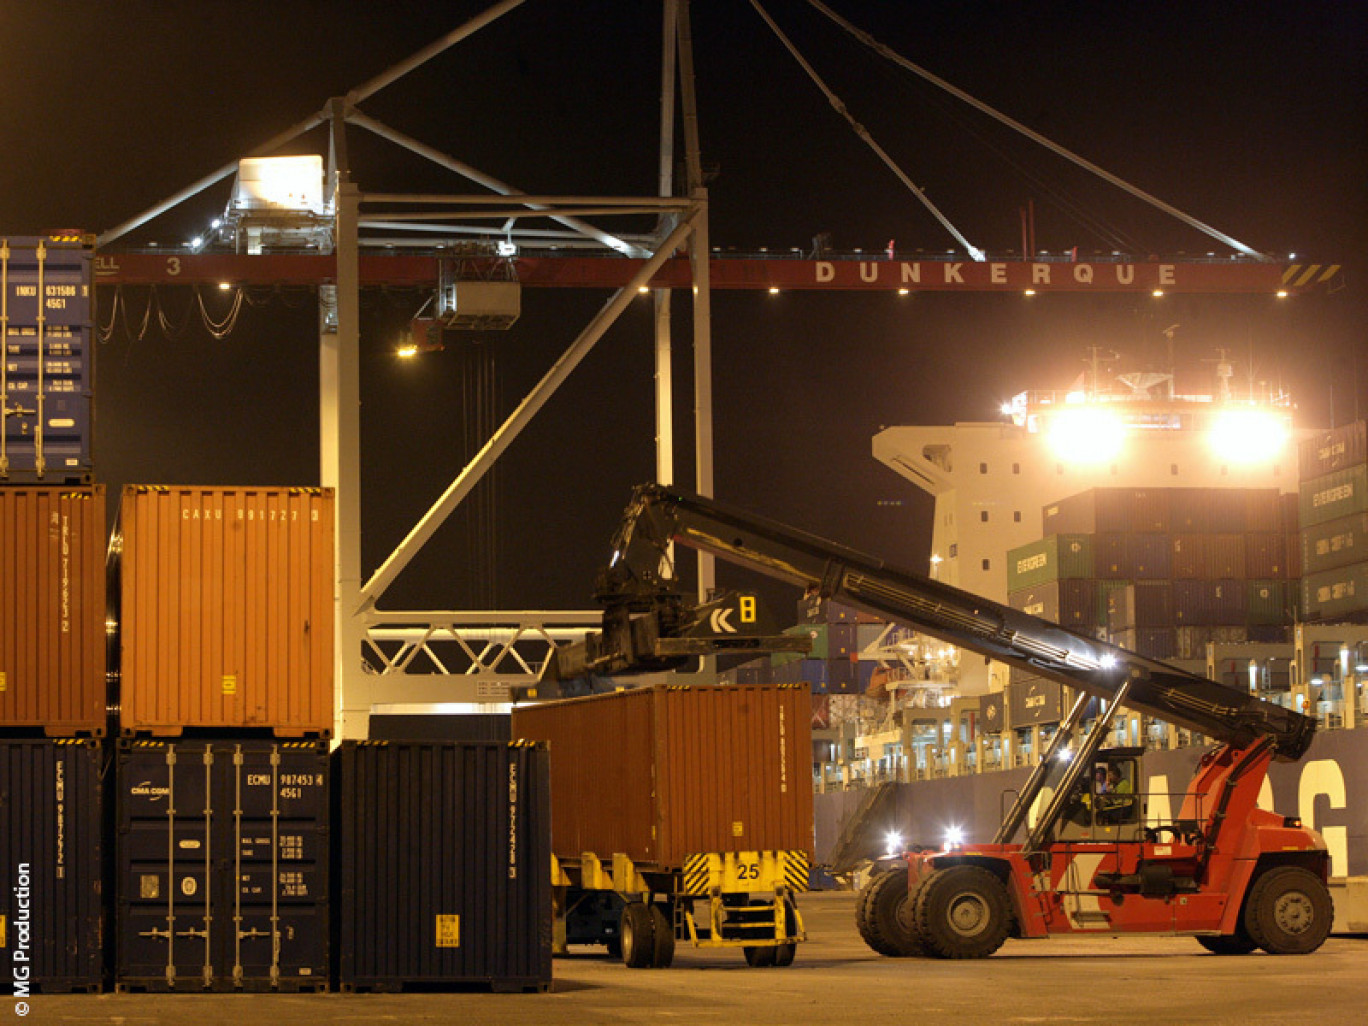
pixel 1085 435
pixel 1248 436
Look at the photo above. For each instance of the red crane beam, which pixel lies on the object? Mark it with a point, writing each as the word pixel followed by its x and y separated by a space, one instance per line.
pixel 749 272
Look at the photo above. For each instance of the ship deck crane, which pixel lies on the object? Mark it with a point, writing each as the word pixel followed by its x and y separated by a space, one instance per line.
pixel 1068 856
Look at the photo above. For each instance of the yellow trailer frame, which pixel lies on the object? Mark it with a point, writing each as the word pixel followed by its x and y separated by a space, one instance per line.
pixel 749 895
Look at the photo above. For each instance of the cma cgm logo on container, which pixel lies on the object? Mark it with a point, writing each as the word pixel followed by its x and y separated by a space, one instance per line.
pixel 146 790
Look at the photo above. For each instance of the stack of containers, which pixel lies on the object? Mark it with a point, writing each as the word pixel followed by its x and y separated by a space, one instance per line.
pixel 1334 523
pixel 222 609
pixel 832 666
pixel 1161 571
pixel 52 654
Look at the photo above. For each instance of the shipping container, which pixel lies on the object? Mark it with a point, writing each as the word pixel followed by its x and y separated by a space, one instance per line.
pixel 1070 604
pixel 1263 511
pixel 1335 543
pixel 1150 642
pixel 1268 603
pixel 1125 557
pixel 222 868
pixel 46 361
pixel 691 770
pixel 51 861
pixel 1328 451
pixel 829 640
pixel 1141 604
pixel 1190 642
pixel 815 609
pixel 225 614
pixel 52 609
pixel 440 727
pixel 1058 557
pixel 1109 510
pixel 1032 699
pixel 1265 555
pixel 1334 496
pixel 443 865
pixel 1215 603
pixel 1338 594
pixel 1289 503
pixel 1225 555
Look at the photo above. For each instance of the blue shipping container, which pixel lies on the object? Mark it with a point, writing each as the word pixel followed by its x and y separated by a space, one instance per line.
pixel 45 361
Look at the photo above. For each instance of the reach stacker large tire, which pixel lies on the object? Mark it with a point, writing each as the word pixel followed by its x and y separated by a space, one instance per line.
pixel 1289 911
pixel 876 915
pixel 962 912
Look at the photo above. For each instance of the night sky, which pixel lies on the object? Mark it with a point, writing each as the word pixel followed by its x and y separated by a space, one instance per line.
pixel 1251 117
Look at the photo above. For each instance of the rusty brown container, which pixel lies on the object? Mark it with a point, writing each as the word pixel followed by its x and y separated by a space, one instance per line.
pixel 225 612
pixel 52 609
pixel 662 773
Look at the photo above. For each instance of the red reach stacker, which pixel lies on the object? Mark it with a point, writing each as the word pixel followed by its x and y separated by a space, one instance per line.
pixel 1077 852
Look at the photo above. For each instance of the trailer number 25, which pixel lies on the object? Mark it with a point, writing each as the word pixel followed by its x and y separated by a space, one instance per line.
pixel 748 871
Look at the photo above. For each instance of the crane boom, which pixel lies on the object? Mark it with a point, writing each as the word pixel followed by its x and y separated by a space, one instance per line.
pixel 639 582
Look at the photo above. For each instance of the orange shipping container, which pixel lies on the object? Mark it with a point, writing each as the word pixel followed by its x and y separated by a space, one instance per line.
pixel 225 609
pixel 662 773
pixel 52 609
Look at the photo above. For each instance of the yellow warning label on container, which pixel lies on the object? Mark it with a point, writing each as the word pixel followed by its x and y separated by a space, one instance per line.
pixel 4 933
pixel 149 886
pixel 4 681
pixel 738 828
pixel 230 684
pixel 448 931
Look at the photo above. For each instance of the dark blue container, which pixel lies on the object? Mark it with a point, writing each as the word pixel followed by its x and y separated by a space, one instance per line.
pixel 222 869
pixel 52 901
pixel 45 370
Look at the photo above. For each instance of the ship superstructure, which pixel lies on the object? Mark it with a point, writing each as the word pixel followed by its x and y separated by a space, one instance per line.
pixel 992 480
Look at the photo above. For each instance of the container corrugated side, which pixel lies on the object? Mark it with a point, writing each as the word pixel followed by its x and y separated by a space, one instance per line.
pixel 1140 604
pixel 1269 603
pixel 444 865
pixel 52 609
pixel 51 861
pixel 1335 543
pixel 1331 594
pixel 1071 603
pixel 1266 555
pixel 226 616
pixel 222 867
pixel 1336 449
pixel 1334 496
pixel 689 769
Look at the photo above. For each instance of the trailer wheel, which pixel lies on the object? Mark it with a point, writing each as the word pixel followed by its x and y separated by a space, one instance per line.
pixel 1239 943
pixel 664 948
pixel 1289 911
pixel 876 915
pixel 784 954
pixel 759 956
pixel 637 935
pixel 962 912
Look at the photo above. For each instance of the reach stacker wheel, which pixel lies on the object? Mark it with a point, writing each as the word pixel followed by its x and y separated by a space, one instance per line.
pixel 1289 911
pixel 962 912
pixel 877 919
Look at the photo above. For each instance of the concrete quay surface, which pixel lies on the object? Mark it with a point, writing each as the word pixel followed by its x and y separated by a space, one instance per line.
pixel 834 981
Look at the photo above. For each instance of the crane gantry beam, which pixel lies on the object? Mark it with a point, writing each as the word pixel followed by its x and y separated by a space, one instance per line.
pixel 915 273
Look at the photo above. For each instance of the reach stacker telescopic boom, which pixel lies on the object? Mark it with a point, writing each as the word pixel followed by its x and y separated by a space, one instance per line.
pixel 1076 852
